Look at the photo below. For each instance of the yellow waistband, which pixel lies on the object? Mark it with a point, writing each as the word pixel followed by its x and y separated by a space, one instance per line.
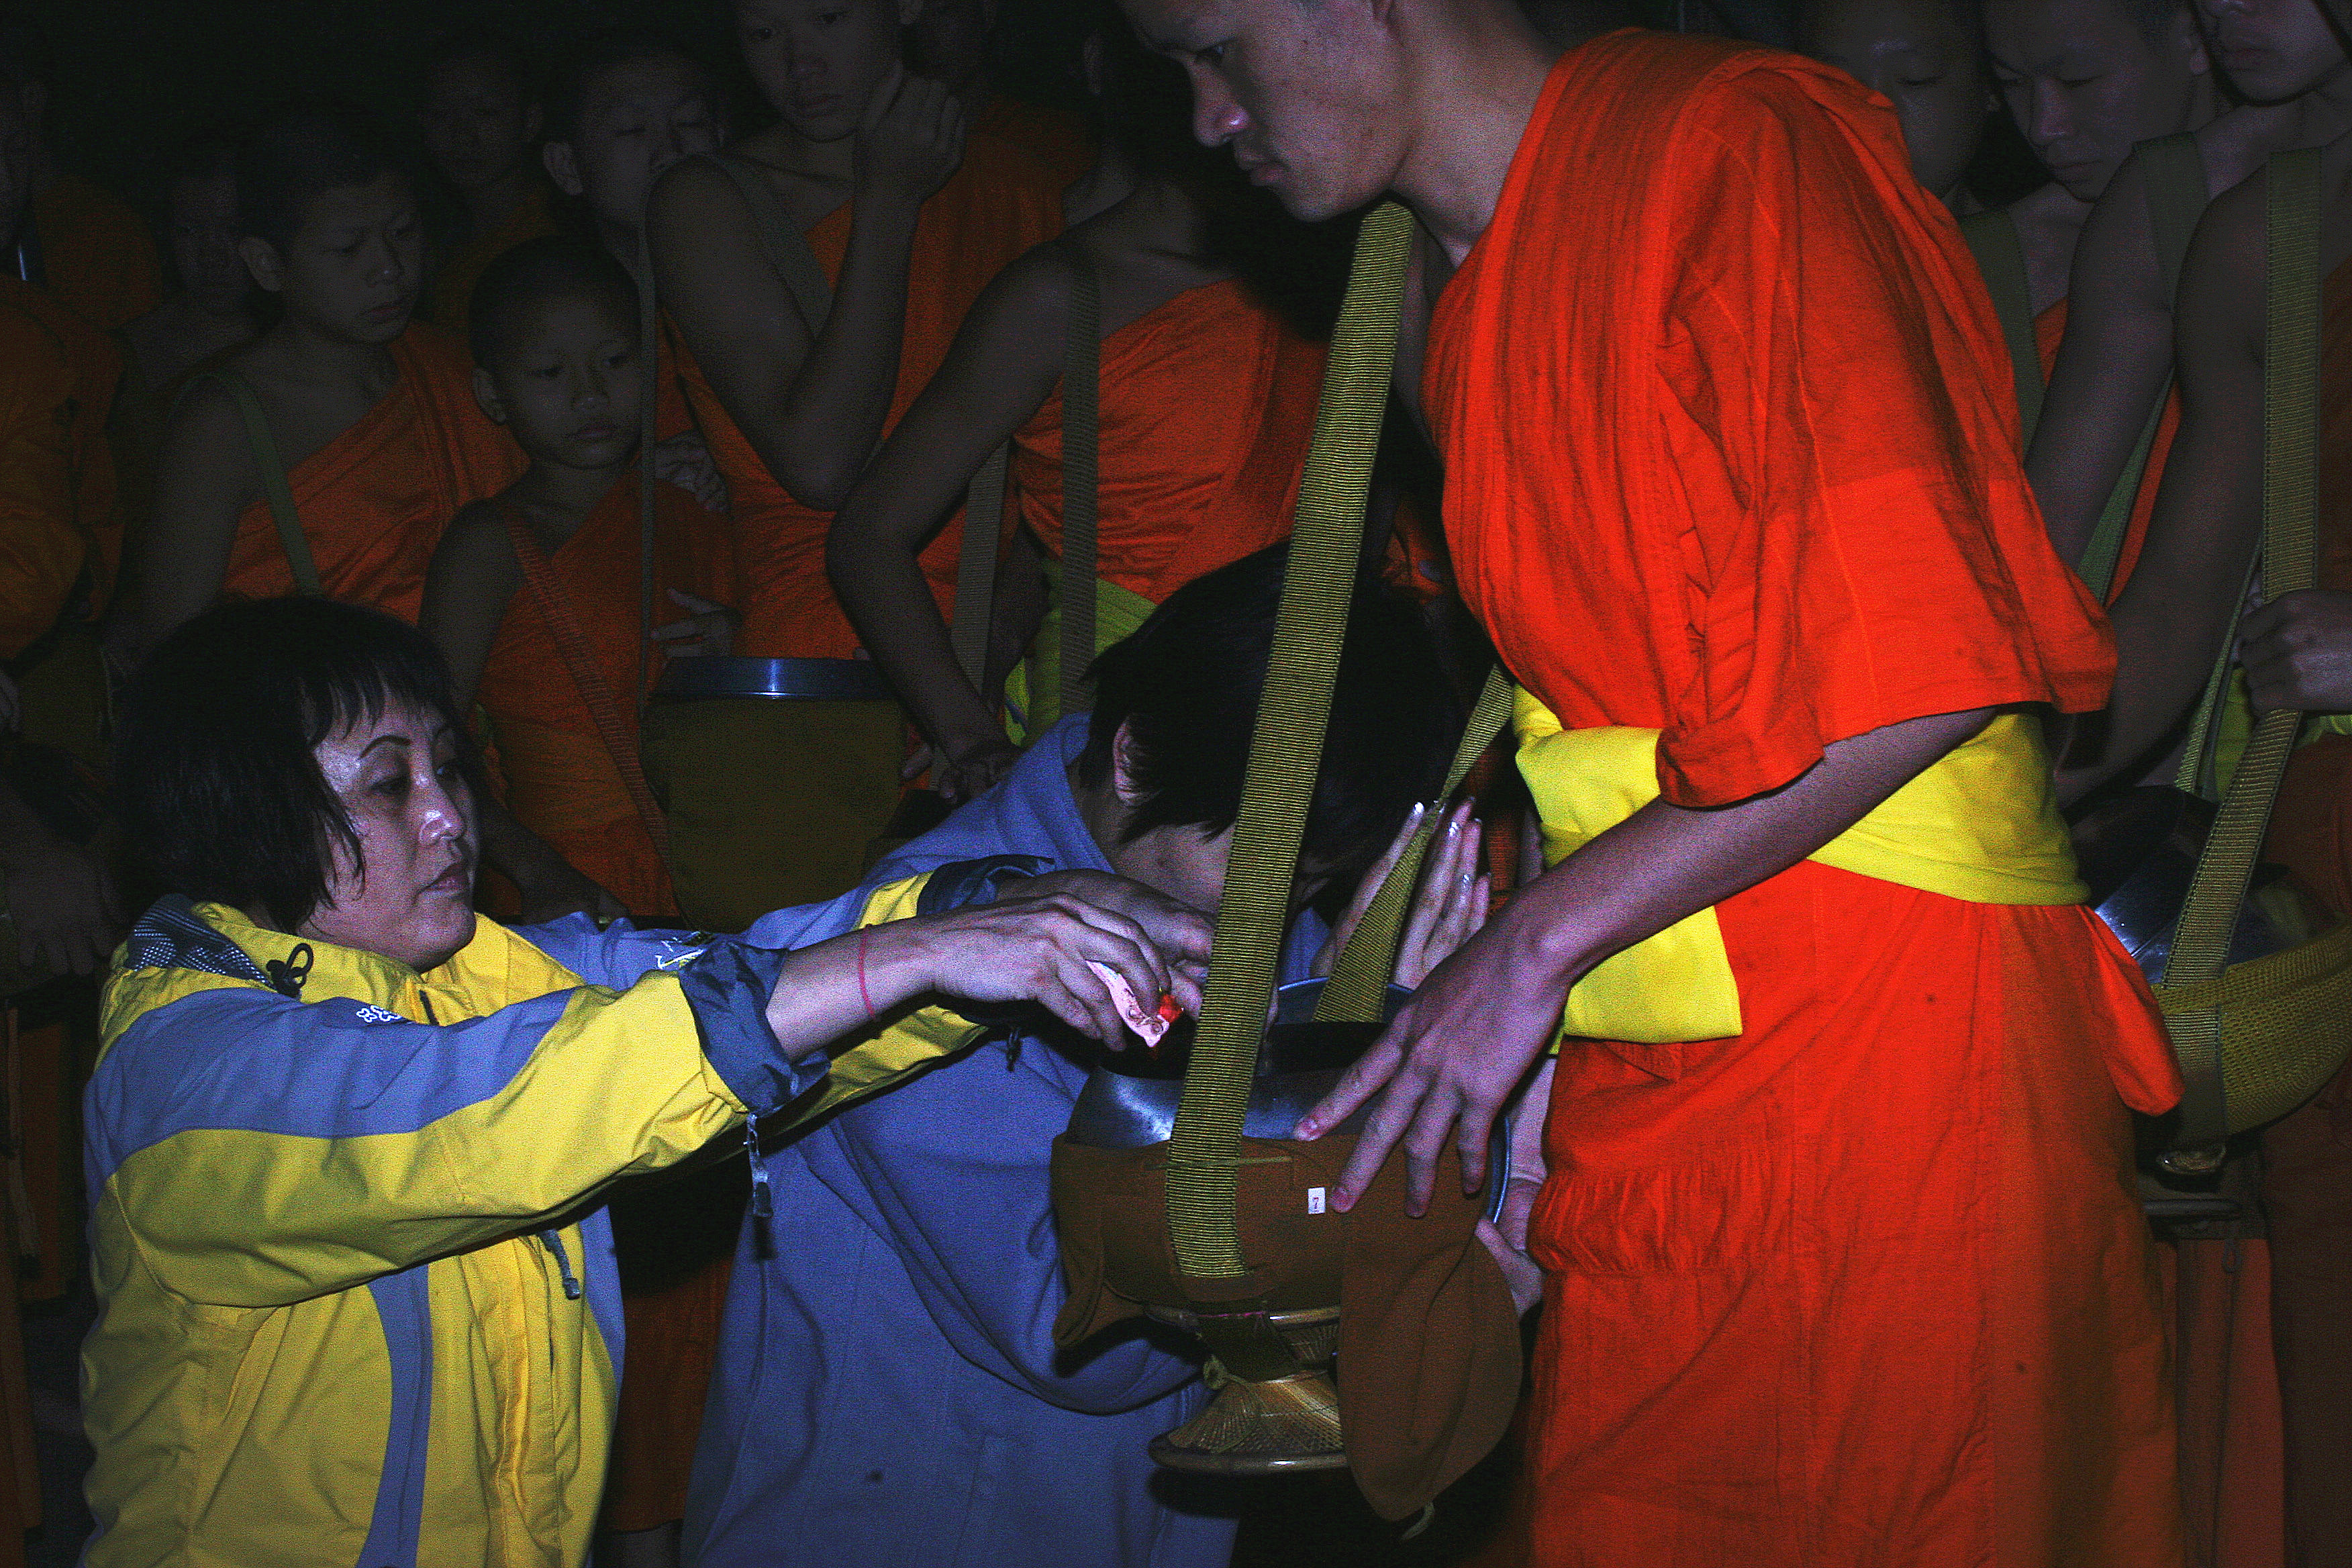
pixel 1980 824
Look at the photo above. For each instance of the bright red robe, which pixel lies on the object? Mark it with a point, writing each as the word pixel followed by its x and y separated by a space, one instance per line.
pixel 1868 1284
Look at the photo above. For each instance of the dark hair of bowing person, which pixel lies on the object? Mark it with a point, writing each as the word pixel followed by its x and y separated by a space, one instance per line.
pixel 1732 487
pixel 409 1114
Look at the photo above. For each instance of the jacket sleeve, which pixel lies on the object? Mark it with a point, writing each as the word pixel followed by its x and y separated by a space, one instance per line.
pixel 952 1172
pixel 256 1151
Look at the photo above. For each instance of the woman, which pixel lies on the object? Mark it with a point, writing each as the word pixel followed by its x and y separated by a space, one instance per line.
pixel 346 1139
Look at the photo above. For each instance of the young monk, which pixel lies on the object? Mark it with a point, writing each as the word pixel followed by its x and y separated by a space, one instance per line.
pixel 1207 401
pixel 2287 63
pixel 1733 485
pixel 2086 81
pixel 82 243
pixel 480 118
pixel 373 419
pixel 1926 58
pixel 908 219
pixel 2171 619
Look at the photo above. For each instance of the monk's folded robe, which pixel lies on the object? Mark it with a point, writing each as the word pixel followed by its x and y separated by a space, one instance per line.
pixel 1866 1282
pixel 1207 404
pixel 561 781
pixel 373 501
pixel 998 205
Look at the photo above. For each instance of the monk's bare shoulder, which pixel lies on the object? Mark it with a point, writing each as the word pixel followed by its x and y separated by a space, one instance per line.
pixel 207 451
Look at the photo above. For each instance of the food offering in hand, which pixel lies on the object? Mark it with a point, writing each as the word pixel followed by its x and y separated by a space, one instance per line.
pixel 1149 1027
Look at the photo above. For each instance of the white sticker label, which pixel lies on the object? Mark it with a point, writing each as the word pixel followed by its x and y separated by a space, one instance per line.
pixel 1314 1200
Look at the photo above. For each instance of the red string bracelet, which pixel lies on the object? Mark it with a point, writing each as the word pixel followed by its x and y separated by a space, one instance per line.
pixel 863 995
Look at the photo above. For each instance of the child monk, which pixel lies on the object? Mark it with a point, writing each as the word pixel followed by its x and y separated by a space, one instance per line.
pixel 1207 401
pixel 1926 58
pixel 370 420
pixel 480 118
pixel 909 220
pixel 2285 62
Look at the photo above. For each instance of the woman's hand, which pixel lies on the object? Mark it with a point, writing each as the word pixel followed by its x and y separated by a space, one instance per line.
pixel 708 631
pixel 909 141
pixel 1448 907
pixel 1016 949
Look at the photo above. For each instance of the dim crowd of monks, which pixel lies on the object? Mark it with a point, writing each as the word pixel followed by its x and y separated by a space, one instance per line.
pixel 1732 449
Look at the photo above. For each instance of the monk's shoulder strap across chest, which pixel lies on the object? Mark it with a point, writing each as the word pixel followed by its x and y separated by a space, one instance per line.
pixel 269 467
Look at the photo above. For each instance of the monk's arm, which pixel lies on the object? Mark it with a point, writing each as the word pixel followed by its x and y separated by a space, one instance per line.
pixel 2175 612
pixel 2111 368
pixel 205 479
pixel 1462 1045
pixel 812 404
pixel 473 578
pixel 1001 367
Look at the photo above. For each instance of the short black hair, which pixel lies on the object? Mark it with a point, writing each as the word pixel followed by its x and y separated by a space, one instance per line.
pixel 300 153
pixel 215 777
pixel 1186 686
pixel 602 51
pixel 550 267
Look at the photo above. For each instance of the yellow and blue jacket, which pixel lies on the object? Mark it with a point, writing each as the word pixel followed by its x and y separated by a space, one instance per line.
pixel 358 1302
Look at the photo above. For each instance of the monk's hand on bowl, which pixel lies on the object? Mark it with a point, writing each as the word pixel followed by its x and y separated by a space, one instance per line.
pixel 2298 653
pixel 1176 928
pixel 1042 950
pixel 1447 1063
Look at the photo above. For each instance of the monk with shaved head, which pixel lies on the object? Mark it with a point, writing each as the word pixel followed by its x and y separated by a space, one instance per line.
pixel 1926 59
pixel 1731 480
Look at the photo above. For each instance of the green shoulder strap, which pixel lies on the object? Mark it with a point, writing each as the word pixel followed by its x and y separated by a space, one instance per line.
pixel 275 488
pixel 1081 480
pixel 2201 946
pixel 1285 754
pixel 2175 173
pixel 1992 238
pixel 781 240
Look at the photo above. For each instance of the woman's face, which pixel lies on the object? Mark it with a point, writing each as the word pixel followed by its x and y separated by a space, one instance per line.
pixel 409 893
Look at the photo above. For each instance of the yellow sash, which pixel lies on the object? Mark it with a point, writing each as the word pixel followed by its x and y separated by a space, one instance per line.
pixel 1980 824
pixel 1118 613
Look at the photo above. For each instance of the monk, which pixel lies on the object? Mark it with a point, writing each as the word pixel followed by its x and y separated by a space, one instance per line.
pixel 479 119
pixel 1733 485
pixel 1925 57
pixel 908 218
pixel 626 105
pixel 1207 404
pixel 2287 63
pixel 2169 621
pixel 373 419
pixel 80 241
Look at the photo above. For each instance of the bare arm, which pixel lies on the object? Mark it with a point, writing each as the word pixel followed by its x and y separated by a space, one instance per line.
pixel 473 578
pixel 1467 1039
pixel 812 404
pixel 204 481
pixel 2174 613
pixel 2111 369
pixel 1002 366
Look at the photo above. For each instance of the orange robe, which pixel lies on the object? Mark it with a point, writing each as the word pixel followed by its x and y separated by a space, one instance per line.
pixel 452 294
pixel 998 205
pixel 561 781
pixel 95 253
pixel 2307 1179
pixel 96 360
pixel 374 499
pixel 2049 329
pixel 41 551
pixel 1207 405
pixel 1867 1285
